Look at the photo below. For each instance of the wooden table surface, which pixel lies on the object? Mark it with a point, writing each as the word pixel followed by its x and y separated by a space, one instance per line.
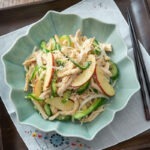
pixel 8 3
pixel 12 140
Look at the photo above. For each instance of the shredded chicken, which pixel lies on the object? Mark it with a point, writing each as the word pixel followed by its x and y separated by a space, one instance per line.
pixel 53 109
pixel 93 115
pixel 95 86
pixel 58 55
pixel 57 70
pixel 68 72
pixel 39 59
pixel 65 83
pixel 28 75
pixel 86 47
pixel 106 69
pixel 106 58
pixel 26 82
pixel 29 61
pixel 105 46
pixel 57 38
pixel 40 109
pixel 45 94
pixel 42 75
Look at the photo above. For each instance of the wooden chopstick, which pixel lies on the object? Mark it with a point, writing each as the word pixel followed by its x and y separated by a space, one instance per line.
pixel 138 49
pixel 140 67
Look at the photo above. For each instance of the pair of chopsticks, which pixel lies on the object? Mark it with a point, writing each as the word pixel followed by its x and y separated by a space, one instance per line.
pixel 140 67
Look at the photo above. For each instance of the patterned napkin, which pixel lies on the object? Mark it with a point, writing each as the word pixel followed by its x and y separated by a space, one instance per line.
pixel 127 123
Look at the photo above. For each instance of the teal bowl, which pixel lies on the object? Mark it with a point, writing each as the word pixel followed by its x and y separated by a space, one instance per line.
pixel 57 23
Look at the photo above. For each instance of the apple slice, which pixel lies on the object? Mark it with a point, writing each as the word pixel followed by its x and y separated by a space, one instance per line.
pixel 49 70
pixel 86 74
pixel 57 102
pixel 103 82
pixel 37 88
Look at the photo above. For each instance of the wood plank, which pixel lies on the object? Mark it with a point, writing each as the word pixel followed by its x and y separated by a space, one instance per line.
pixel 8 3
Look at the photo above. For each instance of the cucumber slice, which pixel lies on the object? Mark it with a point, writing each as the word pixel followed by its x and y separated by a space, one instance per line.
pixel 58 47
pixel 95 90
pixel 66 96
pixel 65 40
pixel 53 85
pixel 43 46
pixel 47 109
pixel 64 118
pixel 54 44
pixel 36 68
pixel 59 62
pixel 54 88
pixel 83 113
pixel 83 88
pixel 97 49
pixel 114 70
pixel 33 97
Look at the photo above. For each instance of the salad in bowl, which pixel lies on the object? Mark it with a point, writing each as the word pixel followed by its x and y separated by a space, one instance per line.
pixel 71 77
pixel 71 71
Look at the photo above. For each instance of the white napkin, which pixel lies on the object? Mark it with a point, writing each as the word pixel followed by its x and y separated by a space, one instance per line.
pixel 127 123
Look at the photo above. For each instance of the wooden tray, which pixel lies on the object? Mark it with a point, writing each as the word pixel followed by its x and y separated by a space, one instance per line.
pixel 16 17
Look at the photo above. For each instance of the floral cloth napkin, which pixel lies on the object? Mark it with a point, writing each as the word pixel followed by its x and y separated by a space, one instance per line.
pixel 127 123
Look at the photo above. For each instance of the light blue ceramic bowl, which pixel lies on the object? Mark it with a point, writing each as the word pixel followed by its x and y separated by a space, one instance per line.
pixel 56 23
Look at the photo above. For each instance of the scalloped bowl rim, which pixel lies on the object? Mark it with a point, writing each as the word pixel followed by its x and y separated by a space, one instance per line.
pixel 57 130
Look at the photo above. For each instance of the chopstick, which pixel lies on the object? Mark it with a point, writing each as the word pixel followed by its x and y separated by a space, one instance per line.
pixel 140 67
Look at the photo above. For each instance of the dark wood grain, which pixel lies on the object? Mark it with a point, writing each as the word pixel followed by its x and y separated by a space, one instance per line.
pixel 123 5
pixel 9 3
pixel 1 140
pixel 11 139
pixel 16 17
pixel 142 141
pixel 141 23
